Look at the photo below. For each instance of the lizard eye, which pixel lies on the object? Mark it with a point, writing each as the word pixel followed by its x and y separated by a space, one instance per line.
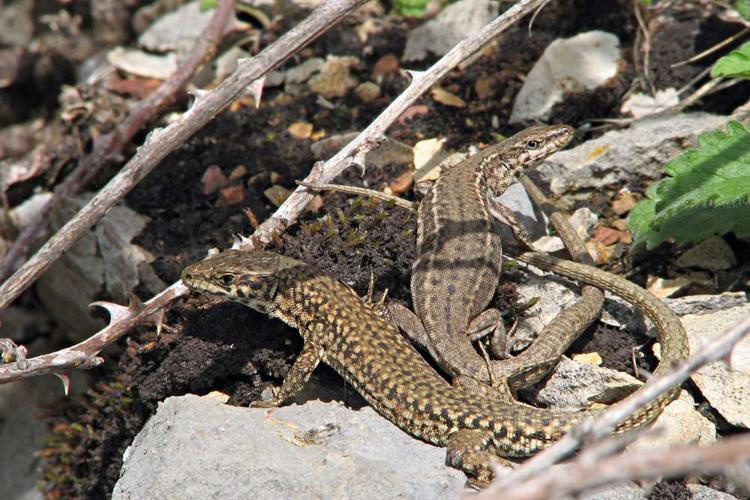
pixel 226 279
pixel 533 144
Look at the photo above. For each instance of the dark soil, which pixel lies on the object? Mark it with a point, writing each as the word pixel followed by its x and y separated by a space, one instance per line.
pixel 209 346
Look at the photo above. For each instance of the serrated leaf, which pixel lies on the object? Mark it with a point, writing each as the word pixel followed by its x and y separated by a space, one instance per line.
pixel 707 192
pixel 743 7
pixel 736 64
pixel 411 8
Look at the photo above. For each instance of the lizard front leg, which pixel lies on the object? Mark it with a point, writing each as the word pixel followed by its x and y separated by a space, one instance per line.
pixel 312 354
pixel 509 218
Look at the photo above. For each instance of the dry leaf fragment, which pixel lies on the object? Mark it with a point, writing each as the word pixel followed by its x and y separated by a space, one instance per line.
pixel 233 195
pixel 664 288
pixel 590 358
pixel 608 236
pixel 448 99
pixel 385 65
pixel 413 111
pixel 214 179
pixel 252 218
pixel 402 183
pixel 238 172
pixel 277 195
pixel 623 202
pixel 300 130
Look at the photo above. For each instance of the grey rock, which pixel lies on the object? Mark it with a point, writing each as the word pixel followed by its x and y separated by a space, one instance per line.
pixel 570 65
pixel 177 30
pixel 701 492
pixel 17 22
pixel 517 199
pixel 302 72
pixel 706 304
pixel 554 293
pixel 622 156
pixel 103 259
pixel 712 254
pixel 196 447
pixel 454 23
pixel 727 388
pixel 621 490
pixel 390 151
pixel 577 385
pixel 679 423
pixel 21 435
pixel 583 221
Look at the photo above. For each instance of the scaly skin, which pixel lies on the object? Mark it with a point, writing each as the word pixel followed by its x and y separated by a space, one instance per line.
pixel 344 332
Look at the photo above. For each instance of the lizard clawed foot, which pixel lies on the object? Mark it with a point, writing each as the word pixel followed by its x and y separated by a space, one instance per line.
pixel 469 451
pixel 269 398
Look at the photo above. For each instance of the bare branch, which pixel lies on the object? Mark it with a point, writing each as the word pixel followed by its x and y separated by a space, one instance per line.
pixel 109 146
pixel 604 424
pixel 211 103
pixel 161 142
pixel 370 137
pixel 86 354
pixel 583 473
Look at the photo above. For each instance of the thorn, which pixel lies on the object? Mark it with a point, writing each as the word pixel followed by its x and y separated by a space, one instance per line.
pixel 255 89
pixel 65 379
pixel 116 311
pixel 414 74
pixel 134 303
pixel 158 319
pixel 245 240
pixel 359 161
pixel 197 93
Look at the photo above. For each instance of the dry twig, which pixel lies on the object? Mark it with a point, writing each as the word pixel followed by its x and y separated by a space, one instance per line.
pixel 601 426
pixel 109 146
pixel 597 469
pixel 204 109
pixel 161 142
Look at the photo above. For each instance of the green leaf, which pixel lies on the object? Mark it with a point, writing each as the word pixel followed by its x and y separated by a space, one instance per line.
pixel 743 7
pixel 411 8
pixel 208 5
pixel 707 192
pixel 736 64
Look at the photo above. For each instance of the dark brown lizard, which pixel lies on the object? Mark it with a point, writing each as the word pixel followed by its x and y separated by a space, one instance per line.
pixel 346 333
pixel 458 265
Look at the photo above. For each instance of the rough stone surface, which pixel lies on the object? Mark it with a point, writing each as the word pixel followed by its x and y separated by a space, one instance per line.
pixel 679 423
pixel 622 490
pixel 196 447
pixel 454 23
pixel 176 30
pixel 727 390
pixel 517 199
pixel 583 221
pixel 713 254
pixel 103 259
pixel 21 434
pixel 554 294
pixel 577 385
pixel 570 65
pixel 620 156
pixel 335 77
pixel 706 304
pixel 701 492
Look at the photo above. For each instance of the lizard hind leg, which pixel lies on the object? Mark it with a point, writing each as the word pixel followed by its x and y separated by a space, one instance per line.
pixel 470 450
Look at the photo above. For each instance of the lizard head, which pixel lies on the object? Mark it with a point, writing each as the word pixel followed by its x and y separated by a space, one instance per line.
pixel 540 141
pixel 251 278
